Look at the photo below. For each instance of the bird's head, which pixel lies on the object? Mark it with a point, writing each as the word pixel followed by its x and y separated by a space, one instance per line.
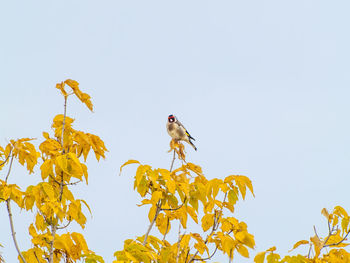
pixel 171 118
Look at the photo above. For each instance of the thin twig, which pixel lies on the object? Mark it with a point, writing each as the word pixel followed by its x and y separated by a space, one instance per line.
pixel 36 257
pixel 62 227
pixel 316 232
pixel 172 162
pixel 177 208
pixel 8 156
pixel 167 227
pixel 335 244
pixel 214 228
pixel 178 244
pixel 13 230
pixel 230 260
pixel 203 259
pixel 9 171
pixel 74 183
pixel 308 255
pixel 152 223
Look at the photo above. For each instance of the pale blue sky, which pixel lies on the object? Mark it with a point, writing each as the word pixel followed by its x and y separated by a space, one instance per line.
pixel 262 85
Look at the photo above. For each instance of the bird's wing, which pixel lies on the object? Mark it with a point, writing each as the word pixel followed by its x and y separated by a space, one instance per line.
pixel 187 133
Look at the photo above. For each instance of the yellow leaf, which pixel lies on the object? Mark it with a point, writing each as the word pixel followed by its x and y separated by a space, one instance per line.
pixel 46 169
pixel 185 241
pixel 318 244
pixel 32 231
pixel 83 97
pixel 345 224
pixel 338 210
pixel 48 190
pixel 207 221
pixel 297 244
pixel 46 135
pixel 80 241
pixel 273 258
pixel 260 257
pixel 39 222
pixel 70 164
pixel 245 238
pixel 126 163
pixel 60 86
pixel 85 172
pixel 183 216
pixel 271 249
pixel 156 196
pixel 192 213
pixel 242 250
pixel 232 197
pixel 152 213
pixel 325 213
pixel 163 224
pixel 86 204
pixel 227 244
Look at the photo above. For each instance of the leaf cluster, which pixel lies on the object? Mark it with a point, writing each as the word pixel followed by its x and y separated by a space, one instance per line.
pixel 182 194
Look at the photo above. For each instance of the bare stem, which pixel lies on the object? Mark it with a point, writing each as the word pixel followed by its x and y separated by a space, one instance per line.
pixel 172 162
pixel 54 225
pixel 167 227
pixel 9 171
pixel 204 259
pixel 13 230
pixel 178 244
pixel 152 223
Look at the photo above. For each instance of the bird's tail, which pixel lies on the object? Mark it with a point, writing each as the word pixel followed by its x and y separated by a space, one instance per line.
pixel 191 143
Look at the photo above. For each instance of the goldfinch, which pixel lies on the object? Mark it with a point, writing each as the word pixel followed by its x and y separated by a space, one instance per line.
pixel 178 132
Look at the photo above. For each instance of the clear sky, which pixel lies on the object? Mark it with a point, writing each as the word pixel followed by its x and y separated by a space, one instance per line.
pixel 262 85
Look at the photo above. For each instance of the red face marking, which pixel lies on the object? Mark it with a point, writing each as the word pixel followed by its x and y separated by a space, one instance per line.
pixel 171 118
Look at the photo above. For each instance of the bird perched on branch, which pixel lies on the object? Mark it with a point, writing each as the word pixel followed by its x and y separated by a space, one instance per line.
pixel 178 132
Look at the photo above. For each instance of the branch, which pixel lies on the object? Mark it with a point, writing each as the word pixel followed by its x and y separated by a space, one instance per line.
pixel 9 171
pixel 8 156
pixel 308 255
pixel 167 227
pixel 13 230
pixel 214 228
pixel 174 209
pixel 203 259
pixel 36 257
pixel 336 244
pixel 152 223
pixel 62 227
pixel 172 162
pixel 54 227
pixel 74 183
pixel 178 244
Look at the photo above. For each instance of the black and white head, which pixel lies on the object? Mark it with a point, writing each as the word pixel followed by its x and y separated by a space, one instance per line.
pixel 171 118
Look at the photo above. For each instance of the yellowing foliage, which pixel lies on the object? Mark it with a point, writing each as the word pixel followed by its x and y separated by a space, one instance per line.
pixel 338 231
pixel 54 203
pixel 180 194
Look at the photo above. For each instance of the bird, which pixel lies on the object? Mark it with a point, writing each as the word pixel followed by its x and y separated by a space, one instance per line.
pixel 178 132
